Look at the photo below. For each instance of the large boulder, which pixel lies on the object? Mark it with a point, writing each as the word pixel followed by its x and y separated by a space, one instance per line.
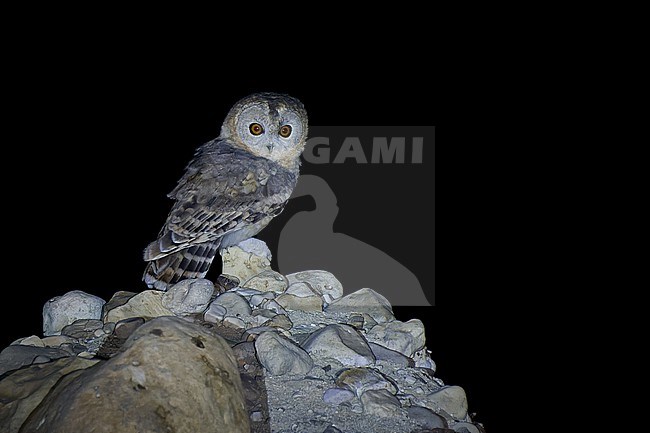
pixel 23 390
pixel 172 375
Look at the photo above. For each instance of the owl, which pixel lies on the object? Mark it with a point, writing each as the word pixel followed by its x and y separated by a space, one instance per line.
pixel 232 188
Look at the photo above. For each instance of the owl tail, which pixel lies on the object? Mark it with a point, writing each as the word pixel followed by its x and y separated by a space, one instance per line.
pixel 192 262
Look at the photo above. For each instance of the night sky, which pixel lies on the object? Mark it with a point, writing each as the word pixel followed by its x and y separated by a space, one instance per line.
pixel 97 144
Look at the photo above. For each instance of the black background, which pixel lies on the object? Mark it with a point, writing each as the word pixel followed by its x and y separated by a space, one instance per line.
pixel 94 142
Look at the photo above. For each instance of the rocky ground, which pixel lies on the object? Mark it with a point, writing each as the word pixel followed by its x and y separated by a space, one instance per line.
pixel 257 351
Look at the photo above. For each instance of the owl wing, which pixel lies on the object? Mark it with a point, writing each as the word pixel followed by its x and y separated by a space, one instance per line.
pixel 223 190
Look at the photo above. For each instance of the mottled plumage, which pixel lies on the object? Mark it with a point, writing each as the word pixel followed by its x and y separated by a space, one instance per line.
pixel 232 188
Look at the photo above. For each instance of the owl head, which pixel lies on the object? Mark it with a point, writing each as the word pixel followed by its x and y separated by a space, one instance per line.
pixel 268 125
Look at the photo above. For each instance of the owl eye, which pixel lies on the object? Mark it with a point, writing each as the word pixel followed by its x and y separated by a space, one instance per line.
pixel 285 131
pixel 256 128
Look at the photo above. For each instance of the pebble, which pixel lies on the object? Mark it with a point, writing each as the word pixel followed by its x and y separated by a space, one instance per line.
pixel 360 380
pixel 380 403
pixel 336 396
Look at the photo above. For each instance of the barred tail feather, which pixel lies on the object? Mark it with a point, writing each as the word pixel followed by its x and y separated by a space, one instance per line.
pixel 192 262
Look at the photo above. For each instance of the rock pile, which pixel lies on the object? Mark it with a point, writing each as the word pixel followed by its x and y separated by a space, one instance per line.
pixel 259 352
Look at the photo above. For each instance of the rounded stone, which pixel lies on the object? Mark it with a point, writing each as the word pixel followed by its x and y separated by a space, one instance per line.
pixel 64 310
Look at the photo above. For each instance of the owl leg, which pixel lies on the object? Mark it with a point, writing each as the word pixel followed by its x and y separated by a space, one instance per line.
pixel 192 262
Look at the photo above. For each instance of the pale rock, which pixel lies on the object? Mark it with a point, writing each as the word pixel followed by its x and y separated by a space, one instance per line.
pixel 356 320
pixel 235 305
pixel 301 289
pixel 64 310
pixel 174 376
pixel 256 247
pixel 449 400
pixel 257 300
pixel 248 293
pixel 323 282
pixel 57 340
pixel 380 403
pixel 32 341
pixel 262 314
pixel 360 380
pixel 364 301
pixel 242 264
pixel 251 334
pixel 281 356
pixel 188 296
pixel 267 281
pixel 119 298
pixel 340 342
pixel 146 304
pixel 423 359
pixel 295 303
pixel 272 304
pixel 404 337
pixel 279 321
pixel 215 313
pixel 385 354
pixel 368 322
pixel 234 322
pixel 336 396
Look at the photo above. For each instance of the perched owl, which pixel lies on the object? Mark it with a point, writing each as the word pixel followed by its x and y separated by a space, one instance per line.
pixel 232 188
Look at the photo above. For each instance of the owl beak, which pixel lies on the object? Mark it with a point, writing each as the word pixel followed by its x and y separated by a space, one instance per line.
pixel 269 147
